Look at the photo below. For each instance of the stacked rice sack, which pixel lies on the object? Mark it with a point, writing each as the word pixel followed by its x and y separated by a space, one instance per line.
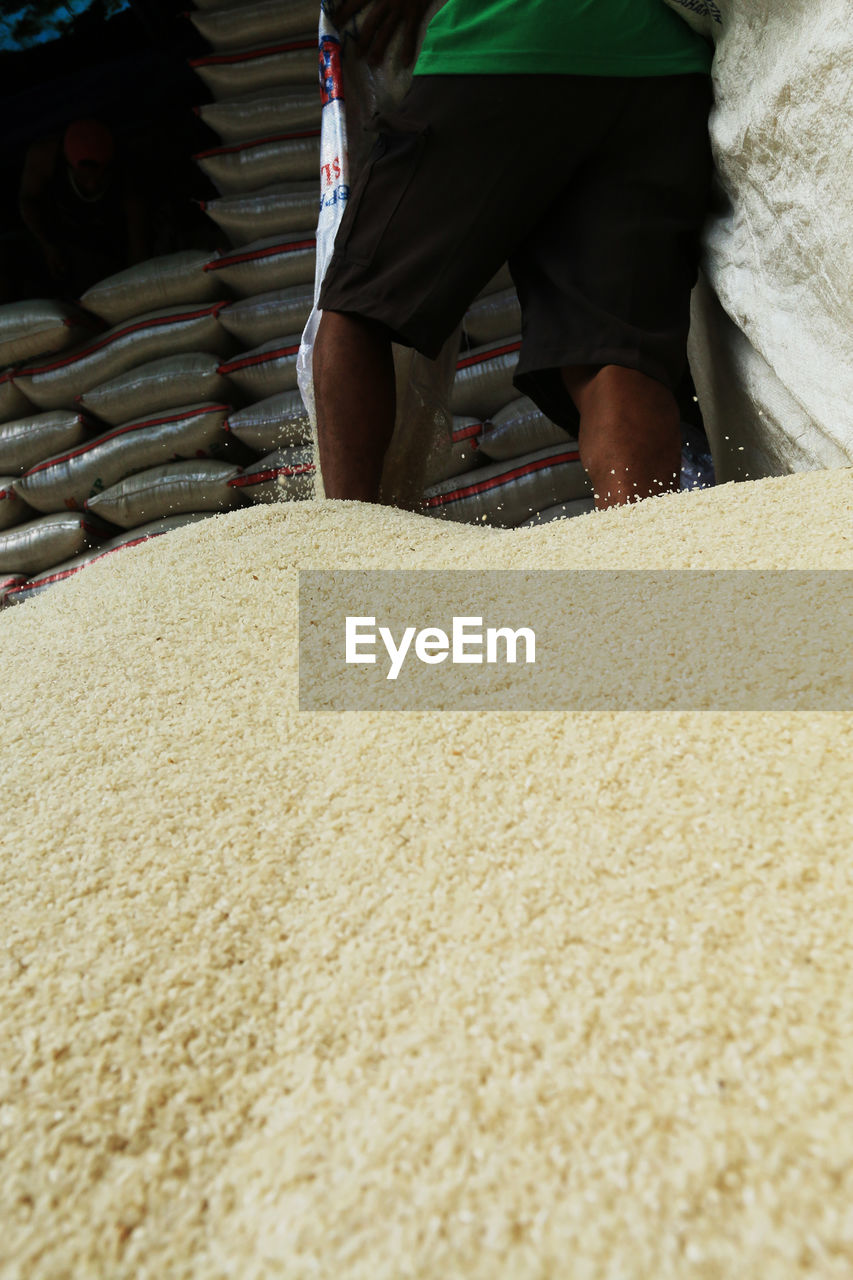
pixel 262 75
pixel 504 463
pixel 120 436
pixel 182 402
pixel 39 327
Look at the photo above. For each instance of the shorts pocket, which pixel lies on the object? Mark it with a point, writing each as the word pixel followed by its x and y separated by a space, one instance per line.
pixel 379 191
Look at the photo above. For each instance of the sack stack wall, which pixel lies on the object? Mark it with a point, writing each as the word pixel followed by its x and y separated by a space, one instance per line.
pixel 115 415
pixel 126 429
pixel 262 74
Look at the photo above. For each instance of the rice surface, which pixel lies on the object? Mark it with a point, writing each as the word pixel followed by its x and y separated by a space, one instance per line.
pixel 387 995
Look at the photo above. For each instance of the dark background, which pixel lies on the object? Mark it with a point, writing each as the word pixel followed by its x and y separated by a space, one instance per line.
pixel 131 71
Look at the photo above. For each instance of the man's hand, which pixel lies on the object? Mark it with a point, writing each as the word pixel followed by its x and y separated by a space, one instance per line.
pixel 381 24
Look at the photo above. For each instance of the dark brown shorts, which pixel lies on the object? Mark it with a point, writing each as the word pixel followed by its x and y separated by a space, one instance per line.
pixel 593 188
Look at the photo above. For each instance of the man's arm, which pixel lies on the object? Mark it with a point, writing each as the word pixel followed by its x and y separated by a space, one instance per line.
pixel 382 23
pixel 39 167
pixel 702 16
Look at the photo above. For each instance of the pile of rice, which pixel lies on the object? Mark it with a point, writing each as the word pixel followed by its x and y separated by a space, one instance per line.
pixel 385 995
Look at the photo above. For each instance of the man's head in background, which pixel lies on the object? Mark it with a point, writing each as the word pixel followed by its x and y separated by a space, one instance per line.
pixel 89 148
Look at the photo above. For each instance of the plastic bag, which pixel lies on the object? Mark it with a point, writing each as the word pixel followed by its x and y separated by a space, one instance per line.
pixel 352 92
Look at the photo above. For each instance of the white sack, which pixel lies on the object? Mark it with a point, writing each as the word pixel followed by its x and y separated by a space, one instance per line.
pixel 563 511
pixel 490 318
pixel 287 475
pixel 56 384
pixel 266 371
pixel 755 425
pixel 276 423
pixel 38 544
pixel 519 428
pixel 173 280
pixel 247 166
pixel 276 263
pixel 258 22
pixel 66 481
pixel 231 75
pixel 13 402
pixel 155 386
pixel 271 211
pixel 177 487
pixel 253 321
pixel 484 378
pixel 13 509
pixel 780 257
pixel 259 114
pixel 456 455
pixel 8 583
pixel 26 441
pixel 25 589
pixel 39 327
pixel 508 493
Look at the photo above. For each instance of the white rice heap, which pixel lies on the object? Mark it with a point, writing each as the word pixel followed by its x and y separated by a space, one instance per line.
pixel 391 995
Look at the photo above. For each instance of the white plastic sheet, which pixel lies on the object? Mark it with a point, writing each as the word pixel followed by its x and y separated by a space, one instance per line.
pixel 772 342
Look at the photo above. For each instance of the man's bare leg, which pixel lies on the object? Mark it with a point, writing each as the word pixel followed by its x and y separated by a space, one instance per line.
pixel 355 395
pixel 630 433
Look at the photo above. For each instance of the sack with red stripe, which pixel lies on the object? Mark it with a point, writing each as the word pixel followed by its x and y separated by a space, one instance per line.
pixel 40 327
pixel 8 582
pixel 38 544
pixel 492 318
pixel 484 378
pixel 156 386
pixel 287 475
pixel 259 114
pixel 563 511
pixel 13 402
pixel 26 588
pixel 458 454
pixel 170 490
pixel 246 166
pixel 267 264
pixel 508 493
pixel 56 383
pixel 519 428
pixel 254 321
pixel 272 211
pixel 67 480
pixel 230 75
pixel 260 21
pixel 13 509
pixel 265 371
pixel 279 422
pixel 26 441
pixel 173 280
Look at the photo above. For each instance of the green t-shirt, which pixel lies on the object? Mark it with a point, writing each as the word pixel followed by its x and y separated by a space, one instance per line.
pixel 561 37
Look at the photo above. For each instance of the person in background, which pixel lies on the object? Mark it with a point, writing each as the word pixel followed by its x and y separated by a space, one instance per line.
pixel 570 139
pixel 77 200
